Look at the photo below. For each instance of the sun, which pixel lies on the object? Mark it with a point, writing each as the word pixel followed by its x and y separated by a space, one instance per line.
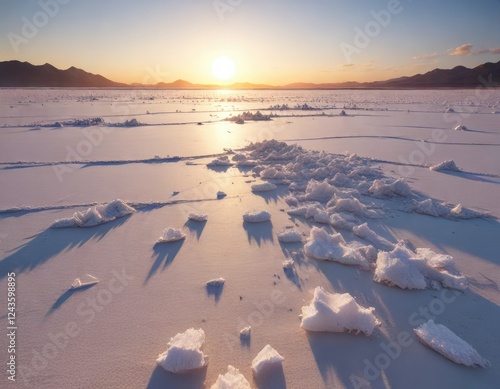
pixel 223 68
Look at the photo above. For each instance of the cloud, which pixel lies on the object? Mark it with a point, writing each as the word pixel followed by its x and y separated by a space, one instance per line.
pixel 461 50
pixel 427 56
pixel 490 51
pixel 365 66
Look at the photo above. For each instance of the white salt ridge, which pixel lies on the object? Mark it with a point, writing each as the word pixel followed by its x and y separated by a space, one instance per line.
pixel 72 123
pixel 320 191
pixel 337 312
pixel 317 213
pixel 266 360
pixel 289 236
pixel 352 205
pixel 365 232
pixel 444 341
pixel 304 169
pixel 272 173
pixel 395 269
pixel 216 282
pixel 461 212
pixel 198 217
pixel 341 180
pixel 344 221
pixel 266 187
pixel 127 123
pixel 446 166
pixel 424 269
pixel 441 268
pixel 307 211
pixel 101 162
pixel 296 164
pixel 291 200
pixel 364 170
pixel 171 235
pixel 332 247
pixel 247 163
pixel 321 216
pixel 256 216
pixel 233 379
pixel 387 188
pixel 323 191
pixel 239 157
pixel 96 215
pixel 184 352
pixel 222 161
pixel 434 208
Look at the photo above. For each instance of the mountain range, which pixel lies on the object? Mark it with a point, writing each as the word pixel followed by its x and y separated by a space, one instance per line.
pixel 23 74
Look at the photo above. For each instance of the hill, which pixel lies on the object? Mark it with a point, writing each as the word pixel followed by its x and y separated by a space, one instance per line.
pixel 24 74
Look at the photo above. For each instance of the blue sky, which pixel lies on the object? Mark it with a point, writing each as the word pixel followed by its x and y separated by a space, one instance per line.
pixel 273 42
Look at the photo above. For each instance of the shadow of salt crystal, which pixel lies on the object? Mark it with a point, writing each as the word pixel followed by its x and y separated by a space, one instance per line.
pixel 50 242
pixel 274 195
pixel 274 379
pixel 65 296
pixel 219 168
pixel 215 291
pixel 161 379
pixel 259 232
pixel 245 341
pixel 165 253
pixel 195 227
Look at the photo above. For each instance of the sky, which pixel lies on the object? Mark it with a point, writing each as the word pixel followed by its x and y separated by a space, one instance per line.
pixel 271 42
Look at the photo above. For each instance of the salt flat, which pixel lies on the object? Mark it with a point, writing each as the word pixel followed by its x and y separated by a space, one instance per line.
pixel 113 332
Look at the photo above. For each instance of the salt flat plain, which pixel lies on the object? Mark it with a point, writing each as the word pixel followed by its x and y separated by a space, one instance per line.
pixel 55 163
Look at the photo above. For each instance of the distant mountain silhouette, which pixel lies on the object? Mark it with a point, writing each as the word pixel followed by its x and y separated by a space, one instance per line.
pixel 24 74
pixel 458 77
pixel 178 84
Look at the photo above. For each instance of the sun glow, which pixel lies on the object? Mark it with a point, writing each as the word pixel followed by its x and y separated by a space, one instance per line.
pixel 223 68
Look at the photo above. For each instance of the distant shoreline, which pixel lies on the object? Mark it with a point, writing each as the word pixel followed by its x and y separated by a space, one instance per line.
pixel 236 89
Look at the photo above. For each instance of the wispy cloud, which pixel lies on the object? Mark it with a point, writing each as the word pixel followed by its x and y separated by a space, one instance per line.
pixel 462 50
pixel 490 51
pixel 365 66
